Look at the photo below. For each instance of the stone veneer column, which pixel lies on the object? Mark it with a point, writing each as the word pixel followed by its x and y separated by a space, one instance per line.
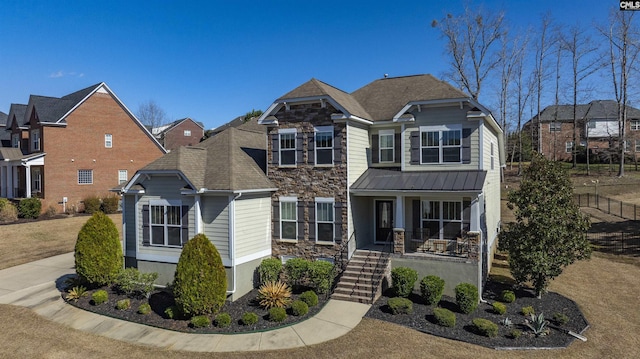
pixel 398 240
pixel 474 245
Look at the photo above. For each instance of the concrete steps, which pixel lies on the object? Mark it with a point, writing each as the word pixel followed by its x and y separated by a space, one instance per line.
pixel 361 281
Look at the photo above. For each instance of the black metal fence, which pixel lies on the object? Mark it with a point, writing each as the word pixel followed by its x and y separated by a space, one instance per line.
pixel 609 205
pixel 616 242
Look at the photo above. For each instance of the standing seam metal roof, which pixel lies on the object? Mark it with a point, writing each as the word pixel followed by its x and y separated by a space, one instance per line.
pixel 434 181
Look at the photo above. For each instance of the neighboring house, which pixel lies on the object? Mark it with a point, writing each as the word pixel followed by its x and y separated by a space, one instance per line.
pixel 69 148
pixel 408 164
pixel 237 122
pixel 217 187
pixel 184 132
pixel 598 127
pixel 5 137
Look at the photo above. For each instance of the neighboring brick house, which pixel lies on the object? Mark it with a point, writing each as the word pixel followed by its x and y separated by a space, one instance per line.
pixel 69 148
pixel 184 132
pixel 5 137
pixel 597 126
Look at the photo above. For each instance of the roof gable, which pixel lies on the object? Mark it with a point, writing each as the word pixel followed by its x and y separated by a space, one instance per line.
pixel 16 115
pixel 597 109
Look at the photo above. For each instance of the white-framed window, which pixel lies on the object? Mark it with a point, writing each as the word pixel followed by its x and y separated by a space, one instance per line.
pixel 325 219
pixel 386 145
pixel 166 223
pixel 186 133
pixel 637 147
pixel 287 139
pixel 493 156
pixel 635 125
pixel 591 124
pixel 108 140
pixel 36 180
pixel 441 144
pixel 35 140
pixel 15 140
pixel 85 176
pixel 288 218
pixel 568 147
pixel 555 126
pixel 123 176
pixel 443 219
pixel 324 145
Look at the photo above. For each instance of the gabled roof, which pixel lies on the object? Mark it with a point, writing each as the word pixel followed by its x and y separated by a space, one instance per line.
pixel 240 122
pixel 598 109
pixel 234 160
pixel 385 97
pixel 158 131
pixel 3 119
pixel 17 113
pixel 15 154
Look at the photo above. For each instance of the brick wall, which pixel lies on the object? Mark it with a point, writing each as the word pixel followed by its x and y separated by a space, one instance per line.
pixel 175 137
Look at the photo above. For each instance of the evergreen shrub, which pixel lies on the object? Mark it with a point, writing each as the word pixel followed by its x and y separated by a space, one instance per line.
pixel 431 289
pixel 269 270
pixel 444 317
pixel 403 279
pixel 98 253
pixel 29 208
pixel 467 297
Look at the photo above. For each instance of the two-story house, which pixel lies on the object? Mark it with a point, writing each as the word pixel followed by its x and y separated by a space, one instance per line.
pixel 183 132
pixel 69 148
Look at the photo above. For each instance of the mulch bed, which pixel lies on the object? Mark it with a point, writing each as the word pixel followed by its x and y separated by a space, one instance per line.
pixel 422 318
pixel 161 300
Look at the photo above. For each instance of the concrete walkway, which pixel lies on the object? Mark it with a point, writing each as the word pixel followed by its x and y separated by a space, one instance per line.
pixel 37 285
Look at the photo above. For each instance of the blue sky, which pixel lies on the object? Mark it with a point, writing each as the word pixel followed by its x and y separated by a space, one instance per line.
pixel 215 60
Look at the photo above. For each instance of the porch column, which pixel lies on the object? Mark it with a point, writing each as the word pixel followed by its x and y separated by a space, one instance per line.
pixel 27 180
pixel 199 228
pixel 398 240
pixel 399 212
pixel 12 177
pixel 474 224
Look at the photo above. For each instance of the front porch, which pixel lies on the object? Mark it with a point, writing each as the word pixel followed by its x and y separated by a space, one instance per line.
pixel 21 176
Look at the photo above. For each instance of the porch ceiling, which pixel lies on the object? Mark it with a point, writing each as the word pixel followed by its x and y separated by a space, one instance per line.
pixel 375 179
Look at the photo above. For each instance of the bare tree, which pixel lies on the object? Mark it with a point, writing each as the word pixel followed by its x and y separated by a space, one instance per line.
pixel 151 115
pixel 624 45
pixel 473 41
pixel 581 49
pixel 543 46
pixel 524 88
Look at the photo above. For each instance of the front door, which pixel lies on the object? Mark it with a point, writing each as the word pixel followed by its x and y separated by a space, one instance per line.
pixel 384 221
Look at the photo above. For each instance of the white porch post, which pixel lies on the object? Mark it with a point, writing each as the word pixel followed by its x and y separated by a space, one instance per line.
pixel 13 179
pixel 199 228
pixel 399 223
pixel 474 226
pixel 27 185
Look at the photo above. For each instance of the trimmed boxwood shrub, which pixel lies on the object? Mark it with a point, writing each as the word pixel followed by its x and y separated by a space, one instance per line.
pixel 223 320
pixel 98 254
pixel 507 296
pixel 99 297
pixel 296 270
pixel 200 283
pixel 132 282
pixel 499 308
pixel 431 289
pixel 399 305
pixel 110 204
pixel 29 208
pixel 249 318
pixel 299 308
pixel 444 317
pixel 269 270
pixel 321 275
pixel 144 309
pixel 310 297
pixel 277 314
pixel 91 204
pixel 123 304
pixel 467 297
pixel 403 280
pixel 200 321
pixel 485 327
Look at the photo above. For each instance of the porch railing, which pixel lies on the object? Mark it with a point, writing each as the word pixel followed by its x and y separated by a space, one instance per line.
pixel 419 241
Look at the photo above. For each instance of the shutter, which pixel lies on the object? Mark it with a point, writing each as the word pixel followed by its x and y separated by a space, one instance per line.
pixel 312 220
pixel 276 219
pixel 337 221
pixel 311 149
pixel 146 238
pixel 275 149
pixel 466 145
pixel 466 214
pixel 300 209
pixel 415 211
pixel 185 224
pixel 397 148
pixel 337 147
pixel 375 149
pixel 299 147
pixel 415 147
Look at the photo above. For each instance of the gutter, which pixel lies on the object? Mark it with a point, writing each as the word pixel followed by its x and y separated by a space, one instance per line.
pixel 232 245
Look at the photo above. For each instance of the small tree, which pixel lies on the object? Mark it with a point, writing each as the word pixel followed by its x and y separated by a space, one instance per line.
pixel 98 254
pixel 200 282
pixel 550 231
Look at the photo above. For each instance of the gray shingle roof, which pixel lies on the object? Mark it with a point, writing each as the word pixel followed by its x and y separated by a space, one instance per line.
pixel 601 109
pixel 233 160
pixel 239 122
pixel 424 181
pixel 18 111
pixel 3 118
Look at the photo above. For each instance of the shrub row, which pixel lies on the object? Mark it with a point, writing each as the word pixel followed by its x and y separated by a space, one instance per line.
pixel 299 271
pixel 107 205
pixel 27 208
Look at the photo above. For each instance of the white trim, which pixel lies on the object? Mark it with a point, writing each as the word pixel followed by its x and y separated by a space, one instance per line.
pixel 161 258
pixel 288 131
pixel 250 257
pixel 323 129
pixel 403 143
pixel 232 228
pixel 293 200
pixel 480 145
pixel 441 147
pixel 392 133
pixel 332 201
pixel 165 202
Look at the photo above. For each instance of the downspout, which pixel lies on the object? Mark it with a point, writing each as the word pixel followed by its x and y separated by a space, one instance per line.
pixel 232 249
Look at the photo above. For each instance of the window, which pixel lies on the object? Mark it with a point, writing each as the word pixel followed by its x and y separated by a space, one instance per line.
pixel 441 144
pixel 287 146
pixel 36 180
pixel 324 219
pixel 555 126
pixel 591 124
pixel 324 145
pixel 85 176
pixel 442 218
pixel 288 218
pixel 187 133
pixel 15 140
pixel 123 176
pixel 166 225
pixel 635 125
pixel 637 145
pixel 627 146
pixel 568 147
pixel 108 140
pixel 35 140
pixel 386 145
